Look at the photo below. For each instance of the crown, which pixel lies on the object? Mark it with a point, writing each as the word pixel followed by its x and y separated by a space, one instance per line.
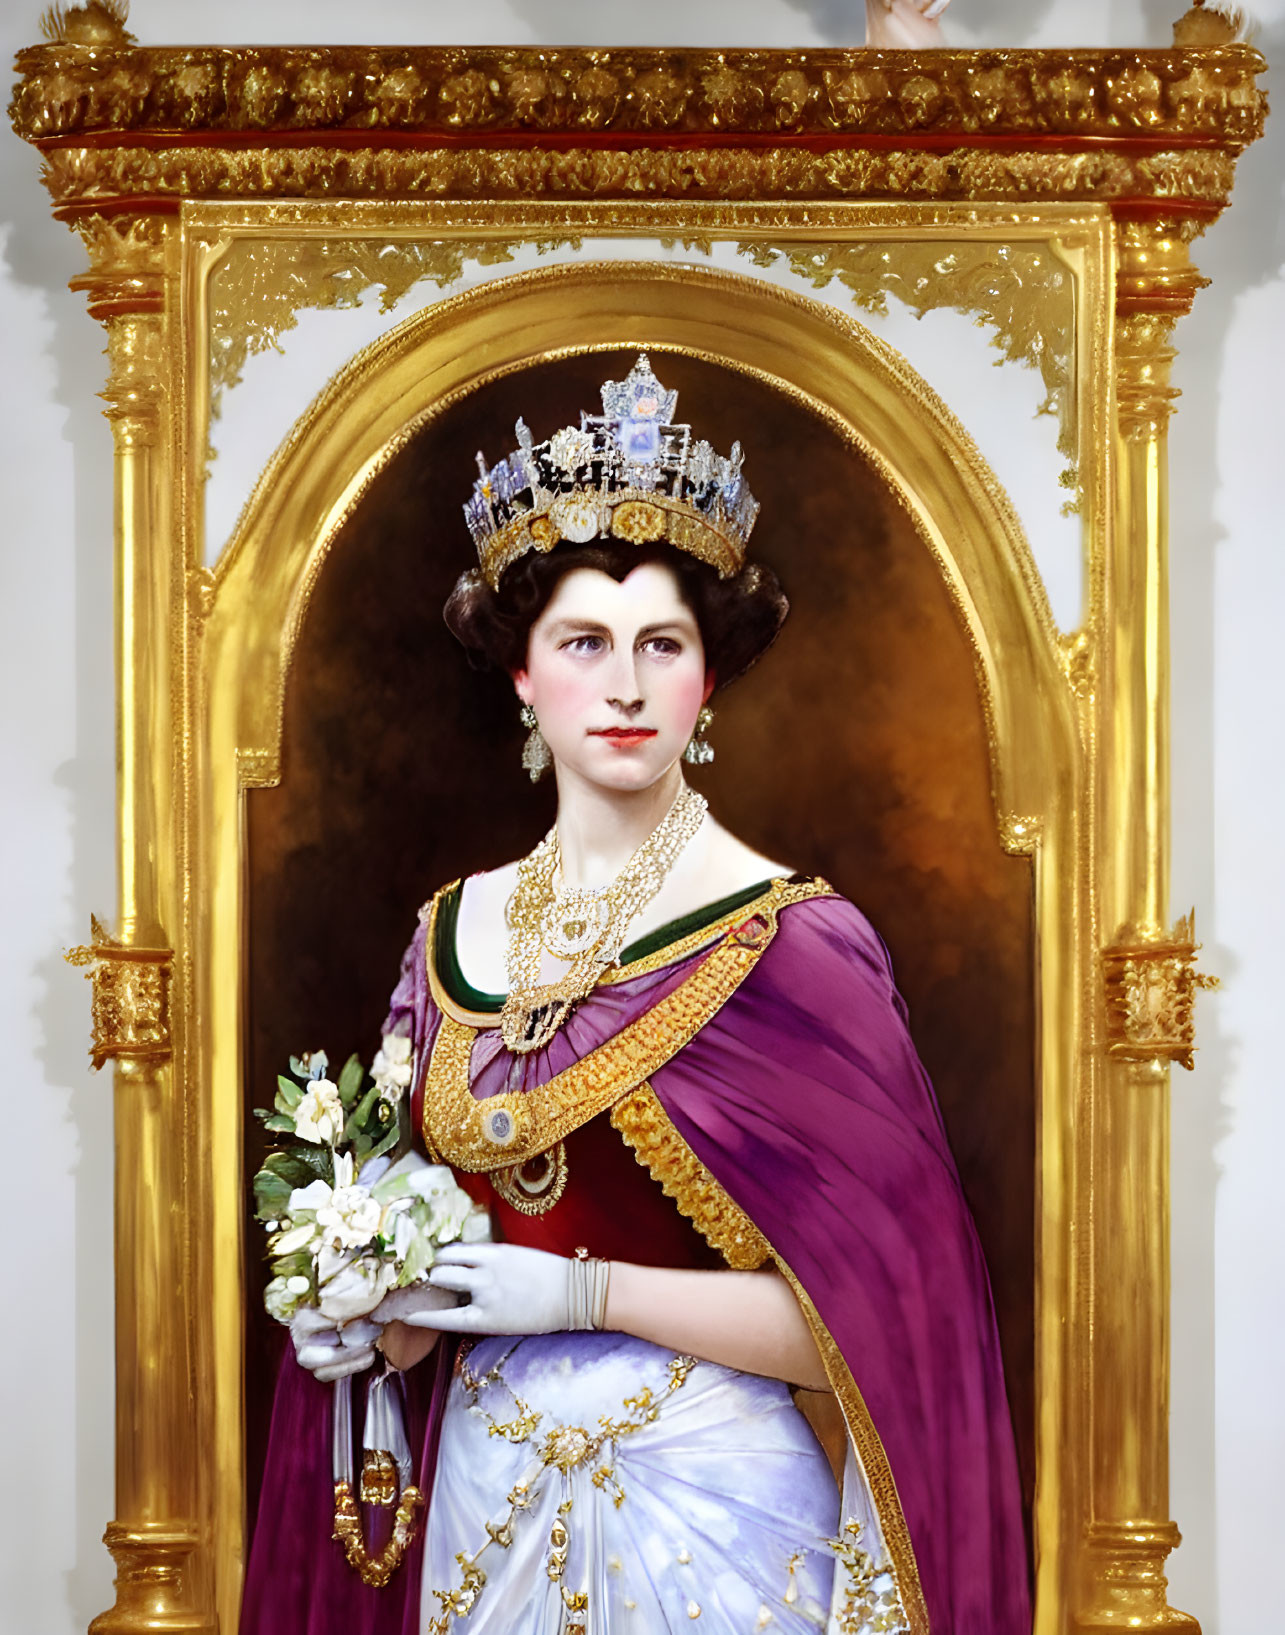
pixel 628 473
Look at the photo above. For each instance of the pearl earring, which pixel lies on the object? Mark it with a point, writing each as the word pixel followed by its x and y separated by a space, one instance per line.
pixel 535 752
pixel 700 752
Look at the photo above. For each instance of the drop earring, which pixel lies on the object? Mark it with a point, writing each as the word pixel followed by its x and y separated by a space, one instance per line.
pixel 535 752
pixel 699 751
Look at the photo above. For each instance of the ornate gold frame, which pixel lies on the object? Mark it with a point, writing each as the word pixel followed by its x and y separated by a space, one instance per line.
pixel 1108 163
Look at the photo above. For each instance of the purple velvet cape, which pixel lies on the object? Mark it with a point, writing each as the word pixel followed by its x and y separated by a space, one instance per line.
pixel 805 1098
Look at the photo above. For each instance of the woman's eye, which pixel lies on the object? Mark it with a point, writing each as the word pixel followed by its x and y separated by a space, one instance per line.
pixel 666 646
pixel 583 644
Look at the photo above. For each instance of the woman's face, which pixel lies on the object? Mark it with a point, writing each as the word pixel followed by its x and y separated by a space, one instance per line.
pixel 615 673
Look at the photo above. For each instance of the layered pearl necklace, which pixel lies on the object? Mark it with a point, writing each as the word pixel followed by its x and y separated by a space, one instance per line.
pixel 583 925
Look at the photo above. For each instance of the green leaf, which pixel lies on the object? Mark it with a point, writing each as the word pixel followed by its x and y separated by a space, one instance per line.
pixel 318 1161
pixel 298 1165
pixel 297 1265
pixel 385 1144
pixel 289 1093
pixel 419 1257
pixel 271 1195
pixel 350 1080
pixel 278 1121
pixel 360 1117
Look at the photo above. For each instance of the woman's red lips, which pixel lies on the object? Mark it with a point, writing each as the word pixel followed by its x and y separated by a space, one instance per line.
pixel 632 735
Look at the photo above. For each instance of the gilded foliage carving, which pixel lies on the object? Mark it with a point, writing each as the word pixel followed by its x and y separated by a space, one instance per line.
pixel 126 254
pixel 75 174
pixel 1149 986
pixel 69 89
pixel 1020 835
pixel 130 998
pixel 1017 291
pixel 255 297
pixel 1144 359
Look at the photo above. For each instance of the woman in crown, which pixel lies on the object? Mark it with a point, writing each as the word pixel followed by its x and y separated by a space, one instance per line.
pixel 680 1077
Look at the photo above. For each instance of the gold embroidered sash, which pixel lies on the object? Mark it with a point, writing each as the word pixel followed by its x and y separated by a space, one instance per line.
pixel 514 1126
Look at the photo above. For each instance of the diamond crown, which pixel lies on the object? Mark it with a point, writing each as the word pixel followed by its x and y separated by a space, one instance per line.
pixel 629 473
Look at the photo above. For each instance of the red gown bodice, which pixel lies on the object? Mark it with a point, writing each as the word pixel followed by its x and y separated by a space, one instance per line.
pixel 610 1206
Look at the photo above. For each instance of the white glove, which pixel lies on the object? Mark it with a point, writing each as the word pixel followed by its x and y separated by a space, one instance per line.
pixel 329 1352
pixel 509 1290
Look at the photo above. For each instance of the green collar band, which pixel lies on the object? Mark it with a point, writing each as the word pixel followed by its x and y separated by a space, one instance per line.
pixel 473 999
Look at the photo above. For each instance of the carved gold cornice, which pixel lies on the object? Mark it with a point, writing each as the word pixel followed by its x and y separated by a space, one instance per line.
pixel 1149 983
pixel 120 121
pixel 130 998
pixel 73 89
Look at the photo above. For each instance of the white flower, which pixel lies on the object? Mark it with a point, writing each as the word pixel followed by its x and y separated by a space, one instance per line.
pixel 396 1049
pixel 281 1299
pixel 356 1288
pixel 319 1117
pixel 312 1197
pixel 331 1261
pixel 430 1181
pixel 403 1236
pixel 446 1213
pixel 297 1285
pixel 350 1218
pixel 298 1237
pixel 391 1068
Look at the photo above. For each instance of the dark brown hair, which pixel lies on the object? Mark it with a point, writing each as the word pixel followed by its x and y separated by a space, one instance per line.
pixel 738 617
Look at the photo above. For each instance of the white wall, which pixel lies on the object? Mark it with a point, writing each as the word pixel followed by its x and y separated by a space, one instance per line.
pixel 57 807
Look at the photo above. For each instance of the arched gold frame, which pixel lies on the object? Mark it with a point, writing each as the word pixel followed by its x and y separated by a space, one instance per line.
pixel 844 374
pixel 1113 161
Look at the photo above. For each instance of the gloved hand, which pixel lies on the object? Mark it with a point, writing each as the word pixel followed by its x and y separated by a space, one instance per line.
pixel 509 1289
pixel 329 1352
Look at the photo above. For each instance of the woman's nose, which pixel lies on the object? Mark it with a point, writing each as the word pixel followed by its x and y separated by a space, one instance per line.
pixel 622 685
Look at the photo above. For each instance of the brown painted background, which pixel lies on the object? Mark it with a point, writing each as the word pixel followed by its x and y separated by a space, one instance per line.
pixel 855 750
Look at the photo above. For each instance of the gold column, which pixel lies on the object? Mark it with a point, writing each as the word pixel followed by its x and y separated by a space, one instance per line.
pixel 1145 970
pixel 155 1530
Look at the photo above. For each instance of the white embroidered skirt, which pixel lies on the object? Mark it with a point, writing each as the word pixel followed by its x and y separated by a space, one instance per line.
pixel 594 1484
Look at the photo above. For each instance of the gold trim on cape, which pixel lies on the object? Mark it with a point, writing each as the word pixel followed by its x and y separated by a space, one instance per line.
pixel 659 1148
pixel 868 1448
pixel 514 1126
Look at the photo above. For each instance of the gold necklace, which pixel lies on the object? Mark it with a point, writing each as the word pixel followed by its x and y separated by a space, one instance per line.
pixel 584 926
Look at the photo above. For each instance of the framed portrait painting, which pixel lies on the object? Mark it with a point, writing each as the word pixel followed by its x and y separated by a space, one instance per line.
pixel 675 299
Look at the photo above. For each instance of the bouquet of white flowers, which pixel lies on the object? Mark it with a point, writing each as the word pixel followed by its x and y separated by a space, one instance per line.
pixel 345 1223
